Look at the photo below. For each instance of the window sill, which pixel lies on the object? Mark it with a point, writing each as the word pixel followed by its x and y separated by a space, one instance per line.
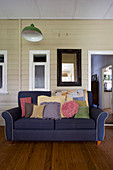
pixel 3 93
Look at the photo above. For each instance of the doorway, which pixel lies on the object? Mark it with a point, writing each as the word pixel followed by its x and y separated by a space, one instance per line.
pixel 101 59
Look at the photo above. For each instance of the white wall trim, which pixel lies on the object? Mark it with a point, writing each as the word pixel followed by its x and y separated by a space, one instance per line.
pixel 30 69
pixel 4 89
pixel 108 124
pixel 20 55
pixel 31 52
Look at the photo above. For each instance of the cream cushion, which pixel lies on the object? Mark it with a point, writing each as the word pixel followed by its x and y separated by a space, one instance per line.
pixel 59 99
pixel 38 111
pixel 69 99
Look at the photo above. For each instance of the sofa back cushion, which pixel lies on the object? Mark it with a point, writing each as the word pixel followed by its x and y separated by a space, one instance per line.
pixel 33 94
pixel 90 98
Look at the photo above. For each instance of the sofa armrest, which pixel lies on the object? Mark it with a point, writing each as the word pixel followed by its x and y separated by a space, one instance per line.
pixel 99 116
pixel 10 116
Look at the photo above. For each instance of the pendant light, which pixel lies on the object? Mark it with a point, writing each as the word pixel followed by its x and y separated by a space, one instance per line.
pixel 32 33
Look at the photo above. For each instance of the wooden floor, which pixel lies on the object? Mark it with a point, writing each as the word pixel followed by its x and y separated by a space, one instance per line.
pixel 57 155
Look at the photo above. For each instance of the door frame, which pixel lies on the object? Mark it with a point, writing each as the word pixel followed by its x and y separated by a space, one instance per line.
pixel 102 71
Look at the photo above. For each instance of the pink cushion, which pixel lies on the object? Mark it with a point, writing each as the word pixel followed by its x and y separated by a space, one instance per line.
pixel 70 108
pixel 23 101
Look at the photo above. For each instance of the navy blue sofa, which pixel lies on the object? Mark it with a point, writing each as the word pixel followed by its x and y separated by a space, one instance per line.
pixel 34 129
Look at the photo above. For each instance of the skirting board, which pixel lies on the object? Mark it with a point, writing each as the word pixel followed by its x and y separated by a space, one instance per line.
pixel 108 124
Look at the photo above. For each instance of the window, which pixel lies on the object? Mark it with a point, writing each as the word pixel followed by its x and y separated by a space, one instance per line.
pixel 39 70
pixel 3 71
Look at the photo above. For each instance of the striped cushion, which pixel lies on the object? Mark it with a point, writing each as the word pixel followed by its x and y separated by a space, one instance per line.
pixel 23 101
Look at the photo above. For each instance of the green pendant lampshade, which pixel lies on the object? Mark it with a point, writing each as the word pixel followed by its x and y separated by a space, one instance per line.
pixel 32 33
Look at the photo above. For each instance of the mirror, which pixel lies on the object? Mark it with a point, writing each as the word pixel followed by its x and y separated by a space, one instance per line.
pixel 68 67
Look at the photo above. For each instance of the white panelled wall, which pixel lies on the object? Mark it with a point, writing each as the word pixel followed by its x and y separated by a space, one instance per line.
pixel 67 34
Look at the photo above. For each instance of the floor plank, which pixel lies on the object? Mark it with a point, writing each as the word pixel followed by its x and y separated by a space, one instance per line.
pixel 57 155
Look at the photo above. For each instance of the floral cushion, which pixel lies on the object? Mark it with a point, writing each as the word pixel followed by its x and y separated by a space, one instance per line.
pixel 70 108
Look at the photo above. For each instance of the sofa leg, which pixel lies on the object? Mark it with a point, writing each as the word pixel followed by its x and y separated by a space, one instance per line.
pixel 98 143
pixel 11 142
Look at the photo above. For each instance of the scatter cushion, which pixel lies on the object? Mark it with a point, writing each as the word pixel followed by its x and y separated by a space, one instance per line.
pixel 23 101
pixel 70 108
pixel 77 94
pixel 51 110
pixel 64 94
pixel 81 103
pixel 38 111
pixel 83 112
pixel 69 99
pixel 86 97
pixel 58 99
pixel 28 109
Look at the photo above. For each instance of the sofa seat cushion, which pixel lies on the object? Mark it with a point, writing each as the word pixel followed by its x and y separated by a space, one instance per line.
pixel 72 123
pixel 34 123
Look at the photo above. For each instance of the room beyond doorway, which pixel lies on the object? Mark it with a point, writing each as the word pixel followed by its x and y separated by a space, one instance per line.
pixel 107 88
pixel 107 92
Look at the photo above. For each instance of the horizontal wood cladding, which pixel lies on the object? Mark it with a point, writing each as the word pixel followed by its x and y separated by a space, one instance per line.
pixel 2 122
pixel 70 23
pixel 9 40
pixel 10 97
pixel 9 106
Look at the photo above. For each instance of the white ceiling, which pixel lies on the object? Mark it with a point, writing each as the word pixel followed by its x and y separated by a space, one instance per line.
pixel 56 9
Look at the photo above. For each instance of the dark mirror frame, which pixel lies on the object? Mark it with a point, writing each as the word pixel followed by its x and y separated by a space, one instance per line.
pixel 59 67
